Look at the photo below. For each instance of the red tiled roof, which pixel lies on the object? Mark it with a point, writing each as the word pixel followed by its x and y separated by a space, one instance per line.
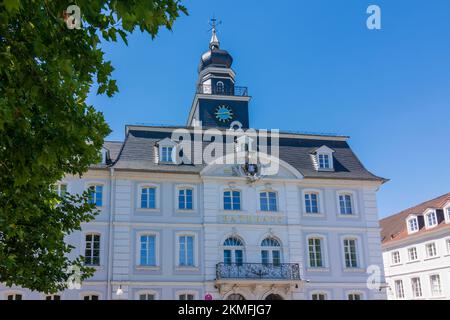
pixel 393 228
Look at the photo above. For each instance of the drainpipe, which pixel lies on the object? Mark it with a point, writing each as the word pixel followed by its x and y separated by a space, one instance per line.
pixel 110 244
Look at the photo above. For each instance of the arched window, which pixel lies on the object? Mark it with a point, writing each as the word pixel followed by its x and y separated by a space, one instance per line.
pixel 220 87
pixel 233 251
pixel 235 296
pixel 270 252
pixel 274 296
pixel 232 200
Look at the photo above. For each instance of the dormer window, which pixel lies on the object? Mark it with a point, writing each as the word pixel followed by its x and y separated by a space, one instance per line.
pixel 324 161
pixel 323 158
pixel 166 154
pixel 431 219
pixel 447 214
pixel 104 155
pixel 413 225
pixel 167 151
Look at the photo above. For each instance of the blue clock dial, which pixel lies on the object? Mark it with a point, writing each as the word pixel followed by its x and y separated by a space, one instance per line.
pixel 223 113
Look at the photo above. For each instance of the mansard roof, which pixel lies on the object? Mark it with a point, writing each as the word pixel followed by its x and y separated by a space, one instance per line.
pixel 394 228
pixel 138 153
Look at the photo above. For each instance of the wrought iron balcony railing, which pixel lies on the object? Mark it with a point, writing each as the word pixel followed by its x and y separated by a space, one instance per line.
pixel 260 271
pixel 222 91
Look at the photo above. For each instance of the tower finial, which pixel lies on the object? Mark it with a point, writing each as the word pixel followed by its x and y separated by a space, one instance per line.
pixel 214 42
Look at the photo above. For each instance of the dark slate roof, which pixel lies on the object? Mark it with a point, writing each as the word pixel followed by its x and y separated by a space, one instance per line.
pixel 394 228
pixel 114 148
pixel 138 153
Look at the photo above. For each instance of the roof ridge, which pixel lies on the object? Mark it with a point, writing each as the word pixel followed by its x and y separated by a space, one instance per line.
pixel 416 206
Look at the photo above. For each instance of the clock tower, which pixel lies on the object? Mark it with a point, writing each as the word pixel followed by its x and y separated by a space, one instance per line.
pixel 218 101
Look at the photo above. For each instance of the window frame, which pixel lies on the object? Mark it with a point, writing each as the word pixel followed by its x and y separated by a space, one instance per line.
pixel 195 249
pixel 413 292
pixel 233 249
pixel 446 209
pixel 104 193
pixel 428 214
pixel 440 293
pixel 146 291
pixel 270 250
pixel 180 187
pixel 320 204
pixel 179 293
pixel 395 258
pixel 14 293
pixel 354 203
pixel 319 292
pixel 90 293
pixel 138 264
pixel 432 245
pixel 359 254
pixel 408 220
pixel 232 202
pixel 100 249
pixel 145 185
pixel 324 252
pixel 267 192
pixel 354 293
pixel 409 250
pixel 402 291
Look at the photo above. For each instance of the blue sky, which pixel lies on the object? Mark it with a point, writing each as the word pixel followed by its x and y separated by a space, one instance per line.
pixel 311 66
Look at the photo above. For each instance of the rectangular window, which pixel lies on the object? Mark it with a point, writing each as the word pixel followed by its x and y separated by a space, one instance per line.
pixel 148 198
pixel 186 253
pixel 354 296
pixel 268 201
pixel 413 225
pixel 146 296
pixel 92 250
pixel 15 296
pixel 91 297
pixel 351 257
pixel 324 161
pixel 345 204
pixel 96 195
pixel 399 292
pixel 431 250
pixel 239 257
pixel 186 297
pixel 319 296
pixel 432 219
pixel 315 253
pixel 185 199
pixel 265 257
pixel 166 154
pixel 53 297
pixel 416 287
pixel 148 250
pixel 395 257
pixel 448 214
pixel 435 282
pixel 62 190
pixel 232 200
pixel 227 259
pixel 276 257
pixel 311 203
pixel 412 254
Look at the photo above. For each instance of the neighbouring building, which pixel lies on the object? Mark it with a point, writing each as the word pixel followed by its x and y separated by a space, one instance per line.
pixel 416 251
pixel 174 229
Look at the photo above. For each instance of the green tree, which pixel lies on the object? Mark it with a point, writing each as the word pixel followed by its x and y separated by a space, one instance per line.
pixel 46 128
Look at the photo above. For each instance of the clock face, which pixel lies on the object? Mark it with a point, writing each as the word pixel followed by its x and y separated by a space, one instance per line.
pixel 223 113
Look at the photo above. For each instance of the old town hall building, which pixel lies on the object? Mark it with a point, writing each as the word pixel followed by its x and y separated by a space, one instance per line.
pixel 171 228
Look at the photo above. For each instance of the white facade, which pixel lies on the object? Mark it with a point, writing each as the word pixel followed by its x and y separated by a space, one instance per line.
pixel 418 265
pixel 122 221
